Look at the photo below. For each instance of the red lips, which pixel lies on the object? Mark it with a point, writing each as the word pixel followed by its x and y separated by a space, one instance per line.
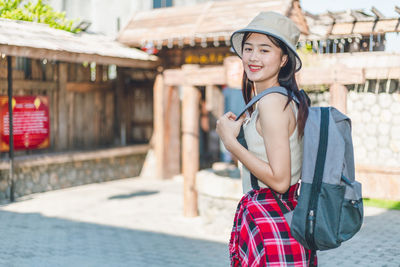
pixel 254 68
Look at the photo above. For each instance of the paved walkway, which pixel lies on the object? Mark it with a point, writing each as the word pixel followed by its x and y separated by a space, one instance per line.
pixel 138 222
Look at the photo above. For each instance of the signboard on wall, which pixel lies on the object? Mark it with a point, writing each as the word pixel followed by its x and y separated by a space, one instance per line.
pixel 31 123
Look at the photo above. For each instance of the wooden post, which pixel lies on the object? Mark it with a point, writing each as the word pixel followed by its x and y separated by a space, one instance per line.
pixel 62 140
pixel 167 145
pixel 233 71
pixel 338 97
pixel 159 125
pixel 119 115
pixel 190 148
pixel 71 118
pixel 172 137
pixel 98 108
pixel 215 101
pixel 10 126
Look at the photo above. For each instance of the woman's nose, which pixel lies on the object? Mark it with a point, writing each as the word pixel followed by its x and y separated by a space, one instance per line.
pixel 253 55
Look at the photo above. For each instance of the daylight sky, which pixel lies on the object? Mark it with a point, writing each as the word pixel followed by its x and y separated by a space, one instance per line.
pixel 384 6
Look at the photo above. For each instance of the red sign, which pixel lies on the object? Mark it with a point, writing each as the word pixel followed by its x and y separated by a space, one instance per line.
pixel 31 122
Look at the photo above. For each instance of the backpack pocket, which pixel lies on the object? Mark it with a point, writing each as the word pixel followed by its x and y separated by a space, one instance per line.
pixel 352 213
pixel 329 210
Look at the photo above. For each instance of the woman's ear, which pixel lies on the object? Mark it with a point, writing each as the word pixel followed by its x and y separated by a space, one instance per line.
pixel 284 60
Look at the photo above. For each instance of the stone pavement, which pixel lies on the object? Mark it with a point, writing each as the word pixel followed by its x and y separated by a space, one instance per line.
pixel 139 222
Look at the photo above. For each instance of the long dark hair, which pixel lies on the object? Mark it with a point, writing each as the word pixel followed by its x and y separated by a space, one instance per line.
pixel 286 79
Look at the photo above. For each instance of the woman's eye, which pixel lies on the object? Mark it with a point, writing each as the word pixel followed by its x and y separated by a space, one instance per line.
pixel 247 49
pixel 264 51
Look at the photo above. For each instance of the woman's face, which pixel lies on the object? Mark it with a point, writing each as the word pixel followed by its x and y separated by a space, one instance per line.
pixel 262 60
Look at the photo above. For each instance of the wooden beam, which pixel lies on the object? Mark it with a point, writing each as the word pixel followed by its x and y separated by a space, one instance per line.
pixel 167 132
pixel 366 27
pixel 317 75
pixel 84 87
pixel 377 13
pixel 338 97
pixel 159 126
pixel 382 73
pixel 234 71
pixel 71 118
pixel 190 148
pixel 62 140
pixel 40 53
pixel 29 85
pixel 172 134
pixel 99 73
pixel 196 76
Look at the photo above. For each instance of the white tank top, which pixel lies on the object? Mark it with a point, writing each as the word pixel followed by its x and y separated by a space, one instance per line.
pixel 255 144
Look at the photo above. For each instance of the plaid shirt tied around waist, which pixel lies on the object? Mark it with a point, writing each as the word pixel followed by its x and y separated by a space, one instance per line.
pixel 260 234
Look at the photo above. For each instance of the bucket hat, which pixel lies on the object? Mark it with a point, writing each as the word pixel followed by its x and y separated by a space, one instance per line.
pixel 273 24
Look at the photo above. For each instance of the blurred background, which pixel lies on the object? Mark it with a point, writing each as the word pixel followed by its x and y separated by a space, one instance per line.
pixel 116 103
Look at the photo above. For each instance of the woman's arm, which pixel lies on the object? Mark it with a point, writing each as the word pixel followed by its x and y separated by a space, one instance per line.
pixel 274 122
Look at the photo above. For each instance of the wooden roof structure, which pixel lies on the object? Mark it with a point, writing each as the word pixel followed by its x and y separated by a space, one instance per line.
pixel 350 23
pixel 36 40
pixel 212 21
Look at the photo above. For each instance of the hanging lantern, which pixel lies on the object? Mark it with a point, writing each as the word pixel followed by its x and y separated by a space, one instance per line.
pixel 149 48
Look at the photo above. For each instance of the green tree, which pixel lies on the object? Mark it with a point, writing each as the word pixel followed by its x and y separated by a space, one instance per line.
pixel 36 11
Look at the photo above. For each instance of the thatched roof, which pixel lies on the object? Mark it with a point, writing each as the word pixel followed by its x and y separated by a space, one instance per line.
pixel 355 22
pixel 35 40
pixel 212 21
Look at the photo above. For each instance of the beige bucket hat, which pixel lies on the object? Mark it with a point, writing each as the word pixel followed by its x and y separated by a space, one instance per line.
pixel 273 24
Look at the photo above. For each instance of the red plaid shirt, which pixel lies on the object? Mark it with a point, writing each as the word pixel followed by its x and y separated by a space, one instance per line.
pixel 261 235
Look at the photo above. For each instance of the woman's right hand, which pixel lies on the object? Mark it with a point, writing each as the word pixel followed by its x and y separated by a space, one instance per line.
pixel 228 128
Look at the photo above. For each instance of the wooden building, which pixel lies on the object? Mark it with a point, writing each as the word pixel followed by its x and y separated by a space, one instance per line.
pixel 96 87
pixel 100 108
pixel 200 34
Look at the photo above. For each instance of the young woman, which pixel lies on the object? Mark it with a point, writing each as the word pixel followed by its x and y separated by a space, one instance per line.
pixel 273 133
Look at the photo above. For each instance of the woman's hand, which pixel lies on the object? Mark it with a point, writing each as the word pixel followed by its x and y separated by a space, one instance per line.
pixel 228 129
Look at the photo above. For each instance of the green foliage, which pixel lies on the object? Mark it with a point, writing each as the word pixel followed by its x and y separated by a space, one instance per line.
pixel 38 11
pixel 307 49
pixel 382 203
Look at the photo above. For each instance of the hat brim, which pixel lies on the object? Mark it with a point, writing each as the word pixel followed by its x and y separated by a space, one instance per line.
pixel 237 40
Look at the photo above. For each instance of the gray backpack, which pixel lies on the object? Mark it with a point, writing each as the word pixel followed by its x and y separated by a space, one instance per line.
pixel 330 207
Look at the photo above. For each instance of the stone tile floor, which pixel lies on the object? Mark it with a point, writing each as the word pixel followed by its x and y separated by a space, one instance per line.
pixel 139 222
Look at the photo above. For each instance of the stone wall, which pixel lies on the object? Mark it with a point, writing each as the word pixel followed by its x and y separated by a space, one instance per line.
pixel 35 174
pixel 376 128
pixel 376 138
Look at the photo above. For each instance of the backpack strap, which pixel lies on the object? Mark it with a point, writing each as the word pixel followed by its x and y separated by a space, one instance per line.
pixel 317 179
pixel 275 89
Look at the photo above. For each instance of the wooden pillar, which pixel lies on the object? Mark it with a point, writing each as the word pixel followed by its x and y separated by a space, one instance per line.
pixel 190 148
pixel 159 123
pixel 166 129
pixel 98 109
pixel 118 111
pixel 233 72
pixel 338 97
pixel 215 101
pixel 71 118
pixel 173 132
pixel 62 140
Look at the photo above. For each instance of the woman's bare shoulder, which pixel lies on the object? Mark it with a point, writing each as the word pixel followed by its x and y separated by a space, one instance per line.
pixel 272 104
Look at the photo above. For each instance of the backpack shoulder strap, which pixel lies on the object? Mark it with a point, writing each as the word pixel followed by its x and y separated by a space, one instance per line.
pixel 275 89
